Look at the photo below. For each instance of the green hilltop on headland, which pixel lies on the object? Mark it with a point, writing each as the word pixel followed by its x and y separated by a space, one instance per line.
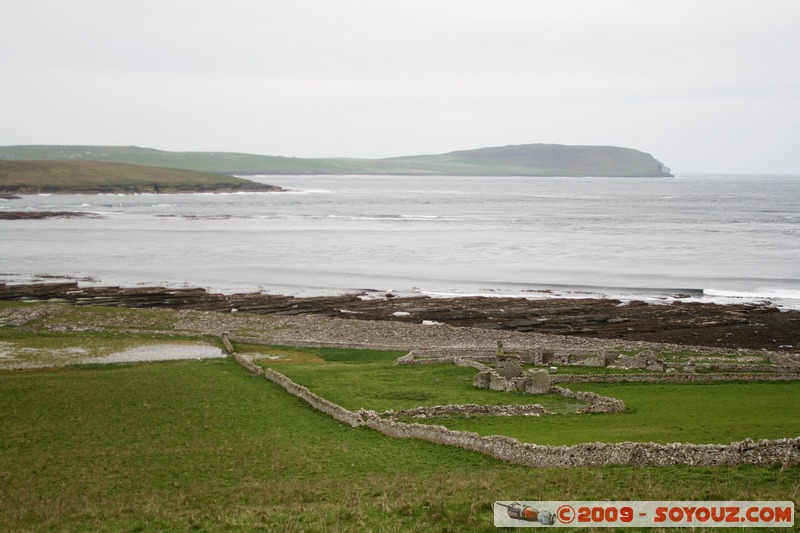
pixel 37 176
pixel 515 160
pixel 535 160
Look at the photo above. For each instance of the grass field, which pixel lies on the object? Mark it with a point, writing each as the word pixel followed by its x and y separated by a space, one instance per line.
pixel 205 446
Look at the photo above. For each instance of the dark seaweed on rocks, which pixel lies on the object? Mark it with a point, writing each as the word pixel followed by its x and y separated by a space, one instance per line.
pixel 744 326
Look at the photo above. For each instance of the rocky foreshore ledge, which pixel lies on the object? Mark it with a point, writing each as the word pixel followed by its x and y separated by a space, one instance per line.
pixel 724 327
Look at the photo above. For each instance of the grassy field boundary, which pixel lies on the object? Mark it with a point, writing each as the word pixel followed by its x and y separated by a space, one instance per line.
pixel 784 452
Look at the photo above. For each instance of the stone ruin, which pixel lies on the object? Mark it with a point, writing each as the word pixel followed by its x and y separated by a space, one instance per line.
pixel 508 375
pixel 645 360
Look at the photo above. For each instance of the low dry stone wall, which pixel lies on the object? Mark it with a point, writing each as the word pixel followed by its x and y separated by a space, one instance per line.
pixel 468 410
pixel 646 359
pixel 477 354
pixel 529 356
pixel 736 367
pixel 248 364
pixel 669 378
pixel 761 453
pixel 317 402
pixel 597 403
pixel 770 374
pixel 471 363
pixel 409 359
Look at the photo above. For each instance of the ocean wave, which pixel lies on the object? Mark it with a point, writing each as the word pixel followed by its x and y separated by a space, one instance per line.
pixel 780 298
pixel 222 193
pixel 401 218
pixel 764 293
pixel 307 191
pixel 545 292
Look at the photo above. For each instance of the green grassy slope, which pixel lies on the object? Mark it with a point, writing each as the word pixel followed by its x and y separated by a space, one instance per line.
pixel 96 176
pixel 519 160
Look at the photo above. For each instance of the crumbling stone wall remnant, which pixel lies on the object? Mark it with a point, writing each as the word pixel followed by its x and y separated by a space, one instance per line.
pixel 537 382
pixel 509 366
pixel 534 409
pixel 508 375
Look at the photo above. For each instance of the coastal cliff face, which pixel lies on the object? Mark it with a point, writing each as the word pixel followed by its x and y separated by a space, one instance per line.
pixel 514 160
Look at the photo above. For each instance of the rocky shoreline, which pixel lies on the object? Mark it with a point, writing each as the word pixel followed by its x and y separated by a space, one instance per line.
pixel 725 327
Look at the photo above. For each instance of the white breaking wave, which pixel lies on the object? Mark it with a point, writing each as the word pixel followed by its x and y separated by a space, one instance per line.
pixel 780 297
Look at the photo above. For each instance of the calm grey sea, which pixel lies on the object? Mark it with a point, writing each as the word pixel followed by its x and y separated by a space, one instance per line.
pixel 734 238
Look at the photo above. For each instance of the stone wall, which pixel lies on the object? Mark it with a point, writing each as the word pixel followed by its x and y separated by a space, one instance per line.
pixel 317 402
pixel 736 367
pixel 597 403
pixel 409 359
pixel 471 363
pixel 646 359
pixel 468 410
pixel 226 342
pixel 668 378
pixel 248 364
pixel 760 453
pixel 477 354
pixel 571 357
pixel 598 360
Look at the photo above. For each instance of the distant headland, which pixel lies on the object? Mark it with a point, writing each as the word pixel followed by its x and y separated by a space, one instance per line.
pixel 515 160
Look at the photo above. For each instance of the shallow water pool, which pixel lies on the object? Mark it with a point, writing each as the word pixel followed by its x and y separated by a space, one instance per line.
pixel 161 352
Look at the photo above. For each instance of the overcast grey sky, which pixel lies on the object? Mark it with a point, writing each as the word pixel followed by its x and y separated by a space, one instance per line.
pixel 703 85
